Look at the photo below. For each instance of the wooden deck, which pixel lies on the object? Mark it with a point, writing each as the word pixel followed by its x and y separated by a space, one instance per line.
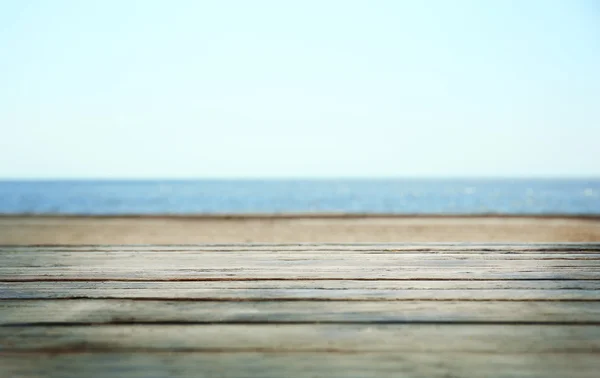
pixel 314 310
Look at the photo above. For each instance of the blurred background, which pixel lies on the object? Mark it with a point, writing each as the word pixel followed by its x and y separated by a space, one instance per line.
pixel 402 107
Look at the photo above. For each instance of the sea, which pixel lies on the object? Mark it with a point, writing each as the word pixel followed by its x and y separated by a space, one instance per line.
pixel 364 196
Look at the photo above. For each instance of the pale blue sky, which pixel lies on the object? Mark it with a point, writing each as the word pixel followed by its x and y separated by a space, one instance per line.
pixel 128 89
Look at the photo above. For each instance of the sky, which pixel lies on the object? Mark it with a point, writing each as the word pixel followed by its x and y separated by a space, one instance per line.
pixel 236 89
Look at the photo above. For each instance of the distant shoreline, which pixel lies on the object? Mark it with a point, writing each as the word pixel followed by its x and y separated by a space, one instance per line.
pixel 296 228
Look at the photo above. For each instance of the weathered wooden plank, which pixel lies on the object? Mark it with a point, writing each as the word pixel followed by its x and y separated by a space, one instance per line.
pixel 210 265
pixel 155 365
pixel 433 254
pixel 232 323
pixel 354 294
pixel 332 247
pixel 277 365
pixel 143 272
pixel 237 259
pixel 348 295
pixel 184 288
pixel 305 338
pixel 164 311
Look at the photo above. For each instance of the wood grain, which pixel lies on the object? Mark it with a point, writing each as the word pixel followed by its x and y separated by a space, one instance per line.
pixel 277 365
pixel 144 265
pixel 235 310
pixel 447 294
pixel 156 273
pixel 118 311
pixel 94 289
pixel 329 247
pixel 304 338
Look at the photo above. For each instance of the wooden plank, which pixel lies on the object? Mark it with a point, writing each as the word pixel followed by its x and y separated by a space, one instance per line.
pixel 161 266
pixel 82 311
pixel 349 295
pixel 331 247
pixel 155 272
pixel 281 338
pixel 433 254
pixel 46 265
pixel 268 365
pixel 396 294
pixel 380 310
pixel 350 258
pixel 182 289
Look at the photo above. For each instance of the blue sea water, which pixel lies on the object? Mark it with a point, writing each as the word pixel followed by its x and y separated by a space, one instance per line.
pixel 402 196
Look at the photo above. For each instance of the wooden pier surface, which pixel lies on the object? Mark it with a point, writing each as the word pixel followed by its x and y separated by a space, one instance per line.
pixel 300 310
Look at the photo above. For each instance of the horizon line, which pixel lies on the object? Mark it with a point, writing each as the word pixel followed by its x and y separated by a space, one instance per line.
pixel 306 178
